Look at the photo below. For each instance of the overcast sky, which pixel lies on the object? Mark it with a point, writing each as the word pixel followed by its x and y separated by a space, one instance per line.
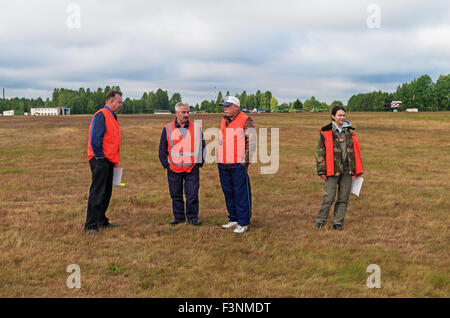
pixel 296 49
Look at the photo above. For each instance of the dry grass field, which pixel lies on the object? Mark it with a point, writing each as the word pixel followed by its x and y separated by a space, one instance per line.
pixel 400 221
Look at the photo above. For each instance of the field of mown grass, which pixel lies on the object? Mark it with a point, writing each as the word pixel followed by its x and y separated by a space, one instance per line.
pixel 400 221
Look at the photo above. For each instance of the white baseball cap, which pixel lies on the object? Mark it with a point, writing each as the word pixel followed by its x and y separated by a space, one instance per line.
pixel 230 100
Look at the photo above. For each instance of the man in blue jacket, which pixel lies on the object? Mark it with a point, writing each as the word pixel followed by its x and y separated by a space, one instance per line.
pixel 181 150
pixel 103 154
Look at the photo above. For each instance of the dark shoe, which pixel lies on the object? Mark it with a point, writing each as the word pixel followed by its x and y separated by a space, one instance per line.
pixel 175 222
pixel 319 225
pixel 195 222
pixel 338 227
pixel 108 225
pixel 92 231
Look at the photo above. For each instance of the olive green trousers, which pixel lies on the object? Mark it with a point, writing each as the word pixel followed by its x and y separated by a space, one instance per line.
pixel 342 184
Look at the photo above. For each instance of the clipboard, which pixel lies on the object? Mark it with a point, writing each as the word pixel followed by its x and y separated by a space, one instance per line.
pixel 117 176
pixel 357 185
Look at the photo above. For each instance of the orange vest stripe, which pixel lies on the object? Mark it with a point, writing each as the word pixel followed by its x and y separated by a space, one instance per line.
pixel 329 154
pixel 357 152
pixel 111 140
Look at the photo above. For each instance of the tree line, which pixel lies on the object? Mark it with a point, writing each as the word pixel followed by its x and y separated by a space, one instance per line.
pixel 420 93
pixel 85 101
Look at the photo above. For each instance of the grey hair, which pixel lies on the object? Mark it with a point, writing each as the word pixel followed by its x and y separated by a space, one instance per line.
pixel 179 104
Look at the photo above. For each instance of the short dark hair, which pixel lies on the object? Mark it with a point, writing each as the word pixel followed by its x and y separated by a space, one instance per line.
pixel 335 110
pixel 112 94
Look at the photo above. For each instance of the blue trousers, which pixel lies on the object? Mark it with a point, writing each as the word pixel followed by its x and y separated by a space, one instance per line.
pixel 238 196
pixel 191 183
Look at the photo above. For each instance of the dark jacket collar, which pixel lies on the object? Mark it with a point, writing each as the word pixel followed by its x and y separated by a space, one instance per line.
pixel 330 127
pixel 179 126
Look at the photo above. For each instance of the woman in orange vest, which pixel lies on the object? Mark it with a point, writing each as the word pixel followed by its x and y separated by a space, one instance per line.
pixel 103 153
pixel 338 160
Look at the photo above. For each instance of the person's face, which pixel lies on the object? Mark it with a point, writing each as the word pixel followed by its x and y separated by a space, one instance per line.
pixel 231 110
pixel 115 103
pixel 339 118
pixel 182 115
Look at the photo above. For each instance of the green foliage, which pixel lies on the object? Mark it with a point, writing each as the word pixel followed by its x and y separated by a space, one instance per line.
pixel 114 269
pixel 324 106
pixel 273 104
pixel 298 105
pixel 374 101
pixel 90 107
pixel 311 103
pixel 219 100
pixel 420 93
pixel 265 100
pixel 442 92
pixel 176 98
pixel 161 100
pixel 336 103
pixel 209 106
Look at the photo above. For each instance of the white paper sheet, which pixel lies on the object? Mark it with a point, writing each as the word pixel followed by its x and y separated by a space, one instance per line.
pixel 356 185
pixel 117 176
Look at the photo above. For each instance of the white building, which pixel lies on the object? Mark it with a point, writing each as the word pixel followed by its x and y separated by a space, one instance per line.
pixel 162 112
pixel 50 111
pixel 8 112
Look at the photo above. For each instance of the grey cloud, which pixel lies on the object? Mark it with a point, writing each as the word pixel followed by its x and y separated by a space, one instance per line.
pixel 293 48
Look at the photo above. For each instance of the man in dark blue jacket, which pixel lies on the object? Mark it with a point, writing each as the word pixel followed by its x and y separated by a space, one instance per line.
pixel 103 154
pixel 175 144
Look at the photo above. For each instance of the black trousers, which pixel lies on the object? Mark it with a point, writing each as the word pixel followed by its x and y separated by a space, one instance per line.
pixel 100 193
pixel 191 183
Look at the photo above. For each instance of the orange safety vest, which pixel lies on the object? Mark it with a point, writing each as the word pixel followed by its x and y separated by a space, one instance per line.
pixel 231 145
pixel 329 155
pixel 111 140
pixel 183 151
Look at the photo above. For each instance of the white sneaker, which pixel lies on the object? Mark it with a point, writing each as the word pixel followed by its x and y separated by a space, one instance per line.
pixel 229 225
pixel 240 229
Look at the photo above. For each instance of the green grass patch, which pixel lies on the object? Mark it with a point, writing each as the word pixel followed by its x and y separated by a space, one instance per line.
pixel 11 171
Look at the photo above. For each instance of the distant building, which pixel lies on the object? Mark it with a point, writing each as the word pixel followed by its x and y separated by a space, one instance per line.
pixel 8 112
pixel 162 112
pixel 50 111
